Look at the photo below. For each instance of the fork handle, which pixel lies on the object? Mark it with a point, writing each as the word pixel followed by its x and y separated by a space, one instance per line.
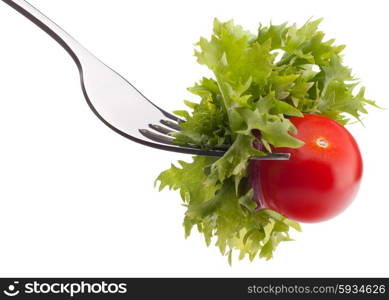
pixel 74 48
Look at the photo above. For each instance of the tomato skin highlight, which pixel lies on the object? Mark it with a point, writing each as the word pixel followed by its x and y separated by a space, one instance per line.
pixel 321 178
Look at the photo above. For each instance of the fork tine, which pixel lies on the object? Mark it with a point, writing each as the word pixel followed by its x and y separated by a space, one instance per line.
pixel 162 138
pixel 173 117
pixel 170 124
pixel 157 137
pixel 161 129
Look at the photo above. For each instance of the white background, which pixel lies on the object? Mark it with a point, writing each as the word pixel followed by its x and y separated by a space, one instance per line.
pixel 76 199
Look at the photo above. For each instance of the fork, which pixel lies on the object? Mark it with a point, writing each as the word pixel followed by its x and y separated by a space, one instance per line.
pixel 115 101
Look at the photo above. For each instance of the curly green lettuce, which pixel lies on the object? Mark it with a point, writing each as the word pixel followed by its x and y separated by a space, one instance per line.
pixel 259 81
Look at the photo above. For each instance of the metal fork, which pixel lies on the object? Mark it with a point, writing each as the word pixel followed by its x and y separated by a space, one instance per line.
pixel 116 102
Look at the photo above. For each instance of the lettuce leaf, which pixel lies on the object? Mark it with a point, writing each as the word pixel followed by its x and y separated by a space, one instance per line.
pixel 259 81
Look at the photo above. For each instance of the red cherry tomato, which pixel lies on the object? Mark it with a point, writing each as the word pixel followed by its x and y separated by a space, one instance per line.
pixel 321 178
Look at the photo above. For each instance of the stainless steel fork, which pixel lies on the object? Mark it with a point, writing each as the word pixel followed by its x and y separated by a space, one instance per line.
pixel 116 102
